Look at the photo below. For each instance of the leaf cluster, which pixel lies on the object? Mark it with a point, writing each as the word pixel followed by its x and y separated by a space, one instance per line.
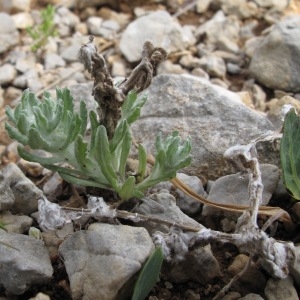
pixel 55 127
pixel 44 30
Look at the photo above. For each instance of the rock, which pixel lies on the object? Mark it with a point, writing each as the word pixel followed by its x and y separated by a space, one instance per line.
pixel 233 189
pixel 14 223
pixel 295 267
pixel 200 73
pixel 21 5
pixel 26 62
pixel 281 289
pixel 53 61
pixel 215 119
pixel 109 29
pixel 219 26
pixel 93 3
pixel 198 264
pixel 274 107
pixel 252 297
pixel 9 35
pixel 118 69
pixel 202 5
pixel 7 74
pixel 251 45
pixel 109 256
pixel 160 28
pixel 25 192
pixel 66 21
pixel 70 53
pixel 29 257
pixel 30 168
pixel 275 62
pixel 167 67
pixel 7 197
pixel 108 14
pixel 23 20
pixel 94 25
pixel 40 296
pixel 53 186
pixel 275 4
pixel 232 296
pixel 241 8
pixel 52 242
pixel 213 65
pixel 189 61
pixel 188 205
pixel 246 279
pixel 233 68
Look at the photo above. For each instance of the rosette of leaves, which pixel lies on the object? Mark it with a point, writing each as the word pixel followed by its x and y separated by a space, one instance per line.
pixel 54 126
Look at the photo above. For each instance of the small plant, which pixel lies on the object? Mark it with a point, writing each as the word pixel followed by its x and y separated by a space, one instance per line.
pixel 54 126
pixel 43 31
pixel 290 153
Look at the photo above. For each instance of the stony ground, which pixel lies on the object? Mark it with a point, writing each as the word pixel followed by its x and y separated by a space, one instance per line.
pixel 244 58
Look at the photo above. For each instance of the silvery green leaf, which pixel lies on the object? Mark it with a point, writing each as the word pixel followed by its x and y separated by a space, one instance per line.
pixel 103 157
pixel 131 107
pixel 16 134
pixel 142 155
pixel 83 117
pixel 127 188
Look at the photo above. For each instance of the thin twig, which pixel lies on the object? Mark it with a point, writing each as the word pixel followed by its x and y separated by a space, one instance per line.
pixel 136 217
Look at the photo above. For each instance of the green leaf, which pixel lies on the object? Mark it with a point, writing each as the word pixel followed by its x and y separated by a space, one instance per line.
pixel 10 114
pixel 126 191
pixel 103 157
pixel 15 134
pixel 83 117
pixel 131 107
pixel 290 153
pixel 35 158
pixel 149 275
pixel 142 163
pixel 94 126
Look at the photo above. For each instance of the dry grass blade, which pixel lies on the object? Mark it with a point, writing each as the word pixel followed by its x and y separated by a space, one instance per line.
pixel 263 210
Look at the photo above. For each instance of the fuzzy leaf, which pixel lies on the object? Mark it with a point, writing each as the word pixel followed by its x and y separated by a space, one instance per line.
pixel 126 191
pixel 290 153
pixel 103 157
pixel 149 275
pixel 83 117
pixel 142 163
pixel 35 158
pixel 131 107
pixel 16 134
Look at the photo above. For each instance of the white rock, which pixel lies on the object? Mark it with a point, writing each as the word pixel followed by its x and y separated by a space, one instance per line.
pixel 7 73
pixel 202 5
pixel 94 25
pixel 23 20
pixel 53 61
pixel 9 36
pixel 213 65
pixel 21 5
pixel 160 28
pixel 281 289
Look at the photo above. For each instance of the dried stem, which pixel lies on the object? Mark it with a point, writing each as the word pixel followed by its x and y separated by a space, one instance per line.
pixel 110 97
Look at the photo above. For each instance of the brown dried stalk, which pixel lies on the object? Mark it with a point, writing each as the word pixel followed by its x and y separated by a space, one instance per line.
pixel 110 97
